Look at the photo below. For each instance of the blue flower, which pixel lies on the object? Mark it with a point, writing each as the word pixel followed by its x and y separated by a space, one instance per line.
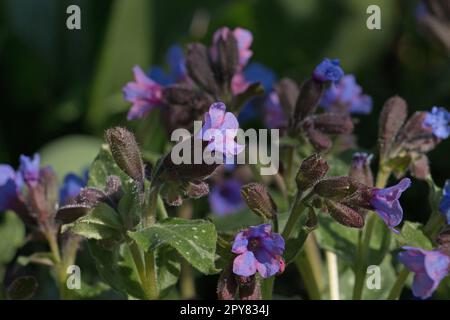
pixel 385 203
pixel 225 197
pixel 177 68
pixel 274 117
pixel 347 96
pixel 10 186
pixel 430 267
pixel 71 188
pixel 259 250
pixel 438 120
pixel 328 70
pixel 29 169
pixel 444 205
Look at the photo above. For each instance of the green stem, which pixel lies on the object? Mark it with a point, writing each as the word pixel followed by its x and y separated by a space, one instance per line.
pixel 161 211
pixel 396 290
pixel 307 273
pixel 150 273
pixel 140 267
pixel 299 206
pixel 333 274
pixel 187 284
pixel 267 288
pixel 289 167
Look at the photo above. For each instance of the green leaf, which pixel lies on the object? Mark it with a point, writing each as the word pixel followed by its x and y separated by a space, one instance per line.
pixel 115 266
pixel 234 222
pixel 412 235
pixel 22 288
pixel 125 45
pixel 195 240
pixel 88 291
pixel 168 268
pixel 42 258
pixel 101 223
pixel 12 235
pixel 72 153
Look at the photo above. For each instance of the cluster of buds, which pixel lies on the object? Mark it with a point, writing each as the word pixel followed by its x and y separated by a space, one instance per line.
pixel 205 75
pixel 433 17
pixel 347 199
pixel 299 105
pixel 403 144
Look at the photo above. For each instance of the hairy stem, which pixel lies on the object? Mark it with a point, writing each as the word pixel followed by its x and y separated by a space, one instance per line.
pixel 187 283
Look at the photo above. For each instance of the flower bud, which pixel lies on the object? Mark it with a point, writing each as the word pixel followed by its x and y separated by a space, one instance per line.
pixel 308 98
pixel 391 119
pixel 228 58
pixel 199 67
pixel 415 136
pixel 344 214
pixel 312 169
pixel 197 189
pixel 126 153
pixel 249 288
pixel 420 168
pixel 227 286
pixel 259 200
pixel 360 169
pixel 333 123
pixel 335 187
pixel 287 91
pixel 318 140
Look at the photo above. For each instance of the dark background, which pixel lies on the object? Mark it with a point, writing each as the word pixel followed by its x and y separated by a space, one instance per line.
pixel 55 82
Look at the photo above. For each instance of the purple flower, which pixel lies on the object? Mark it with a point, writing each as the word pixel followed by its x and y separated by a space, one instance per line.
pixel 274 116
pixel 444 205
pixel 347 96
pixel 430 267
pixel 176 71
pixel 438 120
pixel 244 40
pixel 385 203
pixel 29 169
pixel 258 249
pixel 225 198
pixel 328 70
pixel 144 93
pixel 220 130
pixel 71 188
pixel 10 185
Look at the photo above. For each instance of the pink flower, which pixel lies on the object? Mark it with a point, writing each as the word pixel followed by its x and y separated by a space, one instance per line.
pixel 144 93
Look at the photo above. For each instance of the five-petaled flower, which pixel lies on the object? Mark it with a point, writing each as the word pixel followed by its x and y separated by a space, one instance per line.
pixel 259 250
pixel 29 169
pixel 385 203
pixel 225 197
pixel 430 267
pixel 444 205
pixel 438 120
pixel 11 183
pixel 220 130
pixel 144 93
pixel 328 70
pixel 346 96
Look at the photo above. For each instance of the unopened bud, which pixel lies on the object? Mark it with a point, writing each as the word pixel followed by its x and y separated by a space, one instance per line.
pixel 249 288
pixel 333 123
pixel 344 214
pixel 318 140
pixel 308 98
pixel 415 136
pixel 228 57
pixel 312 169
pixel 197 189
pixel 420 168
pixel 360 169
pixel 335 187
pixel 391 119
pixel 287 91
pixel 126 153
pixel 199 67
pixel 259 200
pixel 227 286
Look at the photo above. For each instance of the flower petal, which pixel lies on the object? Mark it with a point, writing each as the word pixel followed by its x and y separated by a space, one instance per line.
pixel 245 264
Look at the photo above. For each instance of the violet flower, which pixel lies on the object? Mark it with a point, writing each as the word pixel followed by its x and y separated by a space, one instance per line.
pixel 144 93
pixel 347 96
pixel 220 130
pixel 177 72
pixel 438 120
pixel 71 187
pixel 225 198
pixel 29 169
pixel 10 186
pixel 430 267
pixel 444 205
pixel 328 70
pixel 259 250
pixel 385 203
pixel 274 116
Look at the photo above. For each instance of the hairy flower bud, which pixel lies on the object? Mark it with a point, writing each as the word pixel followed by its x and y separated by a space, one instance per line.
pixel 199 67
pixel 344 214
pixel 333 123
pixel 287 91
pixel 227 286
pixel 308 98
pixel 126 153
pixel 259 200
pixel 228 58
pixel 249 288
pixel 415 136
pixel 419 167
pixel 318 140
pixel 312 169
pixel 335 187
pixel 360 169
pixel 197 189
pixel 391 119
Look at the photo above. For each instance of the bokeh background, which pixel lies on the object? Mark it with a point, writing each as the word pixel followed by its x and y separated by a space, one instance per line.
pixel 60 89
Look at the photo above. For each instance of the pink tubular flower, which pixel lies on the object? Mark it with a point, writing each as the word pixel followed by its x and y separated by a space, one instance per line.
pixel 144 93
pixel 259 249
pixel 220 130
